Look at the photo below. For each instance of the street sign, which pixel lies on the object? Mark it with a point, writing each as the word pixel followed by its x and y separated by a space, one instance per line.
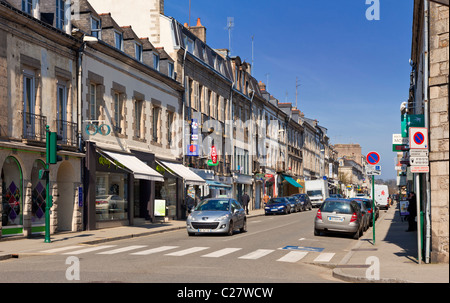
pixel 418 137
pixel 373 172
pixel 418 161
pixel 420 169
pixel 399 140
pixel 418 153
pixel 373 158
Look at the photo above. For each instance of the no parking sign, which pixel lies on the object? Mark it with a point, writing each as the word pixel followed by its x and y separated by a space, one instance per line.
pixel 418 137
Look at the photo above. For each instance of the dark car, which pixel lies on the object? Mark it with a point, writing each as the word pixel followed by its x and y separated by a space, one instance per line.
pixel 295 204
pixel 368 204
pixel 305 202
pixel 278 206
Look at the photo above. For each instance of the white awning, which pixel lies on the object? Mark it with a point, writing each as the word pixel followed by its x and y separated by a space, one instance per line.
pixel 140 169
pixel 182 171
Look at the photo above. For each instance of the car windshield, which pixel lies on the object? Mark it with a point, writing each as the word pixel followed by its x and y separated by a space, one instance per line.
pixel 314 193
pixel 301 197
pixel 340 207
pixel 276 201
pixel 219 204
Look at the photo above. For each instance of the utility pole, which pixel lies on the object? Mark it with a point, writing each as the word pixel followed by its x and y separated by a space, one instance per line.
pixel 253 66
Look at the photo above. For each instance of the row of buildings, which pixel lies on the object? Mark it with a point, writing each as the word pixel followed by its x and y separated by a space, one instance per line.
pixel 151 117
pixel 428 106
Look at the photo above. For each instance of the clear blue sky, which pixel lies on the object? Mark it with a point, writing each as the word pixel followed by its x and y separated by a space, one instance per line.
pixel 354 73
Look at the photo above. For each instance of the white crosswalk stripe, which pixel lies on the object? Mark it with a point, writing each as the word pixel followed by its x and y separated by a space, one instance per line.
pixel 221 253
pixel 86 250
pixel 324 257
pixel 288 256
pixel 293 256
pixel 187 251
pixel 259 253
pixel 120 250
pixel 154 250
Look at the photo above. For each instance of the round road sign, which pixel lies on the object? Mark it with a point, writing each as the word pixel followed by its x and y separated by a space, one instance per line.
pixel 419 138
pixel 373 158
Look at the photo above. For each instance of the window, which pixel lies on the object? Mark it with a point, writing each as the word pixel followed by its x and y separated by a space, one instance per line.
pixel 138 116
pixel 170 117
pixel 93 101
pixel 156 62
pixel 60 15
pixel 117 113
pixel 138 52
pixel 96 28
pixel 171 71
pixel 118 40
pixel 61 111
pixel 188 44
pixel 28 104
pixel 27 6
pixel 156 115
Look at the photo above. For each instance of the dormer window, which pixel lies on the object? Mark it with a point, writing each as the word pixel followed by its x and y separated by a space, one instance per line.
pixel 96 28
pixel 118 40
pixel 27 6
pixel 156 62
pixel 60 14
pixel 138 51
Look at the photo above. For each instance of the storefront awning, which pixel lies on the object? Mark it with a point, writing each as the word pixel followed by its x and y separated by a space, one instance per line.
pixel 182 171
pixel 291 181
pixel 215 184
pixel 139 169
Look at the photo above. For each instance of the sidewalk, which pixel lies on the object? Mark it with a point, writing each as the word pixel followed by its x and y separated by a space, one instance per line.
pixel 14 247
pixel 396 253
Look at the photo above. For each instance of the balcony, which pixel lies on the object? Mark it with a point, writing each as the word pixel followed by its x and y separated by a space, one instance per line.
pixel 33 127
pixel 68 131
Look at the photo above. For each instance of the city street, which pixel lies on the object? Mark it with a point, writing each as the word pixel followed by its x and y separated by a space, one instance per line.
pixel 277 249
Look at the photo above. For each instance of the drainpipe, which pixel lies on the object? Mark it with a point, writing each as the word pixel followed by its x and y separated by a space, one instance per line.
pixel 427 125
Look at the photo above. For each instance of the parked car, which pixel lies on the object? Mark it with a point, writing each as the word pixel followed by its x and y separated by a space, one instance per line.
pixel 217 215
pixel 368 204
pixel 295 204
pixel 278 206
pixel 305 201
pixel 365 213
pixel 339 196
pixel 339 216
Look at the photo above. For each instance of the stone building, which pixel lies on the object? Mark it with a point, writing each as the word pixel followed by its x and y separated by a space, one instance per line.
pixel 38 88
pixel 429 97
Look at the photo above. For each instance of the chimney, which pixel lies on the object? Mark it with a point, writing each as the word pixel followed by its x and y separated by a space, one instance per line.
pixel 199 30
pixel 262 86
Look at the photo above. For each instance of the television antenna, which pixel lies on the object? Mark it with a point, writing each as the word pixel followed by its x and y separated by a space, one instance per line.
pixel 296 91
pixel 230 26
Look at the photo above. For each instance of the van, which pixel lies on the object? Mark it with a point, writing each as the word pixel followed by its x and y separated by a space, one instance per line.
pixel 381 196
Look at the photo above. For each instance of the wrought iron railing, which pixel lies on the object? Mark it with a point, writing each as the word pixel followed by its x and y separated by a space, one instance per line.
pixel 68 131
pixel 33 126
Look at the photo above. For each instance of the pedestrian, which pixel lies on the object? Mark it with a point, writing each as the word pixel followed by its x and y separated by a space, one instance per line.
pixel 266 199
pixel 245 199
pixel 412 210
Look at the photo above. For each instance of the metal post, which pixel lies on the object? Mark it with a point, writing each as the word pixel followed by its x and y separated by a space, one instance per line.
pixel 373 208
pixel 419 231
pixel 47 196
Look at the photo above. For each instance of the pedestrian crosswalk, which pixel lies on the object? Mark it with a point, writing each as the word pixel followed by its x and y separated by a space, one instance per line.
pixel 280 255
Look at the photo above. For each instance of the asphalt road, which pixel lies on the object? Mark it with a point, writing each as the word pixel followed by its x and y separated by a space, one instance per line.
pixel 275 249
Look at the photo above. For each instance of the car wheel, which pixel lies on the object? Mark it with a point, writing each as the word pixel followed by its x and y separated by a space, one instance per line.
pixel 191 234
pixel 357 234
pixel 244 227
pixel 316 232
pixel 230 229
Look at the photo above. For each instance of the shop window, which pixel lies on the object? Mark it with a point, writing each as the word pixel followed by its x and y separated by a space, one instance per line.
pixel 111 201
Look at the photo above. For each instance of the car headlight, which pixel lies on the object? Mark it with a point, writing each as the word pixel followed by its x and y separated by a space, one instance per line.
pixel 224 217
pixel 281 207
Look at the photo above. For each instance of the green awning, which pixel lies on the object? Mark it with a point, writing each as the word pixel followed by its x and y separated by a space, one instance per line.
pixel 291 181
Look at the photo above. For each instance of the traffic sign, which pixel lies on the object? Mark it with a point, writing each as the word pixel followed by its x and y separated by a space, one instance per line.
pixel 418 137
pixel 418 153
pixel 418 161
pixel 373 158
pixel 420 169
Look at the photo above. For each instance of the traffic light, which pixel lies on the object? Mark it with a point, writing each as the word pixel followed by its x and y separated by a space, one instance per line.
pixel 53 148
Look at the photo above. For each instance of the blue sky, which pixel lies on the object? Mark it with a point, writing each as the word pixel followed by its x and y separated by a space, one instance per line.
pixel 354 73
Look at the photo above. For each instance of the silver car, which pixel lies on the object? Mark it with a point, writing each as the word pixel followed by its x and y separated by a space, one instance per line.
pixel 217 215
pixel 341 216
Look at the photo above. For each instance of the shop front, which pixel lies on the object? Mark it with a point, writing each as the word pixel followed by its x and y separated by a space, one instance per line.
pixel 291 186
pixel 111 179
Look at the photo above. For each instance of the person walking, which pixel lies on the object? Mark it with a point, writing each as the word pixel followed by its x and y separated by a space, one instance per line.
pixel 412 210
pixel 245 199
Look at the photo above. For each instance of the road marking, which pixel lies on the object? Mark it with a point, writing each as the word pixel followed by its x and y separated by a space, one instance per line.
pixel 54 250
pixel 119 250
pixel 293 256
pixel 221 253
pixel 154 250
pixel 187 251
pixel 324 257
pixel 86 250
pixel 259 253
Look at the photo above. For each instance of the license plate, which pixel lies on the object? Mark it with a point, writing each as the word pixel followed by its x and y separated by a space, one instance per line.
pixel 335 219
pixel 274 209
pixel 204 230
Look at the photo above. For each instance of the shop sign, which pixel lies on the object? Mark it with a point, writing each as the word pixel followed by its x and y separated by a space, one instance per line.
pixel 193 147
